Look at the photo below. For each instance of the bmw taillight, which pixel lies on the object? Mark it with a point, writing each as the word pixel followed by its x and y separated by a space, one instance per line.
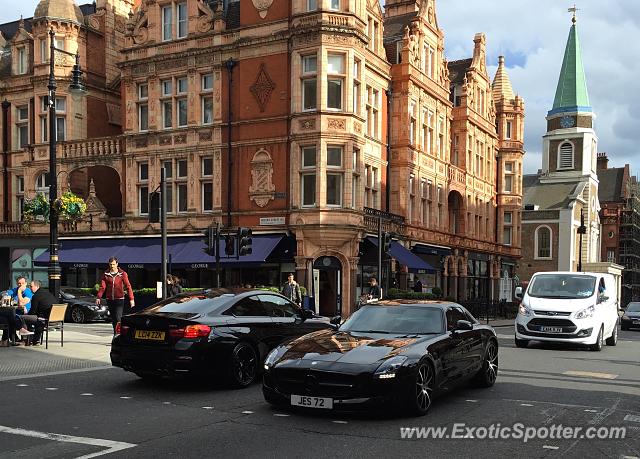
pixel 190 331
pixel 121 329
pixel 118 328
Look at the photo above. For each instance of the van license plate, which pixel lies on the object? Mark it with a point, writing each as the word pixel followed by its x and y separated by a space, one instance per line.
pixel 551 329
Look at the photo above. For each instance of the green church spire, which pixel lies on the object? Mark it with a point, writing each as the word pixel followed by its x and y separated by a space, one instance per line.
pixel 571 94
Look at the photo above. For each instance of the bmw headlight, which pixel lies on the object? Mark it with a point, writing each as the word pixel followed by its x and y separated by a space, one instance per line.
pixel 271 359
pixel 585 313
pixel 525 311
pixel 388 368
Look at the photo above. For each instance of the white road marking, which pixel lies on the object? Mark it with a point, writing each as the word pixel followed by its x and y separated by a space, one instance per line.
pixel 207 407
pixel 166 403
pixel 22 385
pixel 589 374
pixel 86 394
pixel 280 415
pixel 340 422
pixel 591 411
pixel 472 401
pixel 50 388
pixel 632 418
pixel 112 446
pixel 247 412
pixel 526 404
pixel 550 447
pixel 629 457
pixel 56 373
pixel 125 398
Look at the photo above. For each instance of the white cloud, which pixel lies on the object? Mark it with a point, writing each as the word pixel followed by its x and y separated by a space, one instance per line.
pixel 537 30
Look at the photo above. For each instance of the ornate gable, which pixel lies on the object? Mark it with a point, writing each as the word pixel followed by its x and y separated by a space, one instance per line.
pixel 137 26
pixel 428 13
pixel 375 7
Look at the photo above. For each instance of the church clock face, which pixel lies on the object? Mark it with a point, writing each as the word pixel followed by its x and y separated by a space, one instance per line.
pixel 567 122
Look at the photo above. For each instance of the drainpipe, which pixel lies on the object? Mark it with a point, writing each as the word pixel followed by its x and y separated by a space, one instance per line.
pixel 229 64
pixel 5 159
pixel 388 197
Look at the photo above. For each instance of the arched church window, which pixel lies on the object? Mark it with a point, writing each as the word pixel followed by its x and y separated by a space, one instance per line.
pixel 565 159
pixel 543 242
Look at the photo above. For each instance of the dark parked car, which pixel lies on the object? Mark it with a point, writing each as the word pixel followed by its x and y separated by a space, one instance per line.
pixel 397 353
pixel 631 316
pixel 82 307
pixel 217 333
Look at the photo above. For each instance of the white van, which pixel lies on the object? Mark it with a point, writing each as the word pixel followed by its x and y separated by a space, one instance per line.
pixel 569 307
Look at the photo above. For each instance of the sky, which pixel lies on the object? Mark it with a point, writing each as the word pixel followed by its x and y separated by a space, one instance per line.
pixel 532 35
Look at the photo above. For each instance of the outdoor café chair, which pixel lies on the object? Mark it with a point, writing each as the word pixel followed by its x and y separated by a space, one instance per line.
pixel 56 316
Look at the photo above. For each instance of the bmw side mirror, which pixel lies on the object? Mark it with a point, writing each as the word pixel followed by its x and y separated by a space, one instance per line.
pixel 335 320
pixel 307 314
pixel 463 325
pixel 518 292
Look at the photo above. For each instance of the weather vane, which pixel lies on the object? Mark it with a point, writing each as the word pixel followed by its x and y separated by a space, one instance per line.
pixel 573 10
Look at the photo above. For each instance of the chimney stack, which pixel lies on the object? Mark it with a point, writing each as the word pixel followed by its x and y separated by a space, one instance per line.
pixel 603 161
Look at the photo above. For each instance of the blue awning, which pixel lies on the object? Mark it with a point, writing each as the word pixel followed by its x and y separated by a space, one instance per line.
pixel 405 257
pixel 426 249
pixel 185 251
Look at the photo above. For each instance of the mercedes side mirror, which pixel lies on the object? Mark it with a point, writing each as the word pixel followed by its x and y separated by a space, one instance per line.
pixel 463 325
pixel 518 292
pixel 335 320
pixel 307 314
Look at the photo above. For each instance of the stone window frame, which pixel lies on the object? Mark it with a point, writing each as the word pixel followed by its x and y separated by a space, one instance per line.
pixel 182 185
pixel 338 171
pixel 511 174
pixel 22 60
pixel 308 76
pixel 560 153
pixel 311 5
pixel 143 187
pixel 335 5
pixel 22 126
pixel 357 86
pixel 308 171
pixel 142 91
pixel 173 33
pixel 411 193
pixel 206 93
pixel 340 76
pixel 413 123
pixel 19 196
pixel 507 226
pixel 372 186
pixel 206 180
pixel 536 243
pixel 373 112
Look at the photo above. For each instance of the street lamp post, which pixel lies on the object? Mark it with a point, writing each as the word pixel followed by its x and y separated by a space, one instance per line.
pixel 76 86
pixel 582 229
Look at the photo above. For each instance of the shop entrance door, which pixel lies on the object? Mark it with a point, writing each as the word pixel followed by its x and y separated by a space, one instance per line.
pixel 328 286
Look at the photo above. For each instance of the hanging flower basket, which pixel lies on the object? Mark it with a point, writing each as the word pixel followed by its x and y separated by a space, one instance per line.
pixel 69 207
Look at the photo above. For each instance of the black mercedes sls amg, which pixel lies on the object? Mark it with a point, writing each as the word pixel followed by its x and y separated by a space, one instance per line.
pixel 397 353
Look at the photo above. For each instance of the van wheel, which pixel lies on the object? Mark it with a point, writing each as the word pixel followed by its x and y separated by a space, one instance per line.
pixel 613 339
pixel 599 342
pixel 522 342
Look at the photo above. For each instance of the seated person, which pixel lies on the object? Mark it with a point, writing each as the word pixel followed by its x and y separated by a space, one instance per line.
pixel 41 303
pixel 21 295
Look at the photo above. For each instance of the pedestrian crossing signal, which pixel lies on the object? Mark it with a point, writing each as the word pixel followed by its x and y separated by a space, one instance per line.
pixel 245 241
pixel 209 241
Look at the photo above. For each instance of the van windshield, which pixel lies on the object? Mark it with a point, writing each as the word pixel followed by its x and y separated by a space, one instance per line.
pixel 562 286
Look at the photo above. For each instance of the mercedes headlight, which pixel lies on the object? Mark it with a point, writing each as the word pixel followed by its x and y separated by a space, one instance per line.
pixel 585 313
pixel 271 359
pixel 525 311
pixel 388 368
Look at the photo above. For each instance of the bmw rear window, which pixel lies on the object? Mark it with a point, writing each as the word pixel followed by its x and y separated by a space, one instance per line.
pixel 197 304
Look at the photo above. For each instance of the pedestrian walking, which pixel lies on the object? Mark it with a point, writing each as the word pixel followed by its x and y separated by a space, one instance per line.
pixel 374 289
pixel 173 285
pixel 113 285
pixel 292 290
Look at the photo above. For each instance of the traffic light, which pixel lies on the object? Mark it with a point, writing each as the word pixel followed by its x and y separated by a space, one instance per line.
pixel 209 241
pixel 244 241
pixel 229 245
pixel 386 242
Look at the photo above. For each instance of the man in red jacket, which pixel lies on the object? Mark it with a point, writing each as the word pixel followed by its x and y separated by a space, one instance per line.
pixel 112 285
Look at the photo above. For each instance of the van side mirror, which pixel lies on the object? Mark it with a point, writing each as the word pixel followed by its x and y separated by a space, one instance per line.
pixel 602 298
pixel 518 292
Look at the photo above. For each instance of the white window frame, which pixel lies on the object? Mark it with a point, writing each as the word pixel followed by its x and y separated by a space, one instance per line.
pixel 22 124
pixel 312 5
pixel 338 77
pixel 536 245
pixel 507 224
pixel 308 170
pixel 334 5
pixel 206 95
pixel 509 172
pixel 311 77
pixel 182 184
pixel 206 180
pixel 560 152
pixel 182 22
pixel 167 22
pixel 22 66
pixel 143 101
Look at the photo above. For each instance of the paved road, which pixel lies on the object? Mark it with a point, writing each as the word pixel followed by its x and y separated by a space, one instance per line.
pixel 100 410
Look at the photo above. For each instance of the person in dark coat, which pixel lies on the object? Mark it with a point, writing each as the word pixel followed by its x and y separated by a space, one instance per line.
pixel 292 290
pixel 374 289
pixel 41 304
pixel 417 286
pixel 173 285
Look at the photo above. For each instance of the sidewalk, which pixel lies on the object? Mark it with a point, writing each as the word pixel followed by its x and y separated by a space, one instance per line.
pixel 85 347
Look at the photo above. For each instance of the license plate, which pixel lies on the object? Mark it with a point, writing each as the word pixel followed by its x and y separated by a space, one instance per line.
pixel 551 329
pixel 636 322
pixel 312 402
pixel 149 334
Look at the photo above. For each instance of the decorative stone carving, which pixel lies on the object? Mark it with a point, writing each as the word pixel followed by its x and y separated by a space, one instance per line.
pixel 262 189
pixel 205 136
pixel 336 123
pixel 262 6
pixel 308 124
pixel 165 140
pixel 357 127
pixel 180 139
pixel 263 87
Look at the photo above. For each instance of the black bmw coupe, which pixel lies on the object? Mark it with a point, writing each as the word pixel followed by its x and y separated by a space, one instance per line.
pixel 395 353
pixel 223 334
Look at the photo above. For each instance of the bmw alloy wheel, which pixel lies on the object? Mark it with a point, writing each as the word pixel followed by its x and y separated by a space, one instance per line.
pixel 243 365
